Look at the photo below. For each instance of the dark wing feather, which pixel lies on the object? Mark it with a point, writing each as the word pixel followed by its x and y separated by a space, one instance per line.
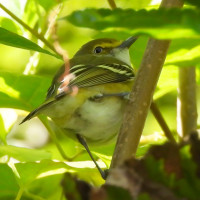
pixel 55 83
pixel 101 74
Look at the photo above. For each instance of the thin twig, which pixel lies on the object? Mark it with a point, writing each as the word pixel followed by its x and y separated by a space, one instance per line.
pixel 32 31
pixel 112 4
pixel 45 121
pixel 157 114
pixel 59 48
pixel 34 59
pixel 20 193
pixel 141 95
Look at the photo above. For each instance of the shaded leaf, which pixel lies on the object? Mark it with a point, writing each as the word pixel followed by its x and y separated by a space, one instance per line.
pixel 193 2
pixel 162 23
pixel 170 155
pixel 24 154
pixel 47 4
pixel 117 193
pixel 195 151
pixel 48 187
pixel 75 189
pixel 14 40
pixel 8 183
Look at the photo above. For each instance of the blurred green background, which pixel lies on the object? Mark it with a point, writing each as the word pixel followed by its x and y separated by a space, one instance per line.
pixel 184 51
pixel 71 37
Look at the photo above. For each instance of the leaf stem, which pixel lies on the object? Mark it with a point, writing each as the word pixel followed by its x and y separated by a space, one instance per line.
pixel 19 194
pixel 32 31
pixel 53 137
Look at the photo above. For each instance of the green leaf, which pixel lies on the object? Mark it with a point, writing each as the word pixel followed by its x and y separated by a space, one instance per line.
pixel 3 132
pixel 31 171
pixel 117 193
pixel 9 24
pixel 162 23
pixel 22 92
pixel 133 4
pixel 14 40
pixel 8 183
pixel 48 187
pixel 24 154
pixel 184 57
pixel 167 81
pixel 193 2
pixel 47 4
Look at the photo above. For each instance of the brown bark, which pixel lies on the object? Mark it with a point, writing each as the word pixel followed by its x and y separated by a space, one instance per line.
pixel 187 107
pixel 141 95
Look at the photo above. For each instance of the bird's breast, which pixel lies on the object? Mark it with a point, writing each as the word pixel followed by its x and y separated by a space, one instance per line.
pixel 98 120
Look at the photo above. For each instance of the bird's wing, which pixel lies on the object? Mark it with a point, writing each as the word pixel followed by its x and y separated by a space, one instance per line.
pixel 88 75
pixel 84 76
pixel 55 83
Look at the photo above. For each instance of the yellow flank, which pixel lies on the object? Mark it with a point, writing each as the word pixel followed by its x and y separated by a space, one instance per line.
pixel 72 103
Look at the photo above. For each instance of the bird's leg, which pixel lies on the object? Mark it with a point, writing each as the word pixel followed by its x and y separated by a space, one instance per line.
pixel 83 142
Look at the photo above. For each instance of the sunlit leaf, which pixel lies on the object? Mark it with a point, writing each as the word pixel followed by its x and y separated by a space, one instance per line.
pixel 133 4
pixel 29 172
pixel 24 154
pixel 167 81
pixel 22 92
pixel 162 23
pixel 16 7
pixel 9 24
pixel 14 40
pixel 184 57
pixel 3 132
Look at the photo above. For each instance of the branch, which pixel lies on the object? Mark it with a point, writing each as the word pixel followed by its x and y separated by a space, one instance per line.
pixel 157 114
pixel 141 95
pixel 187 106
pixel 32 31
pixel 112 4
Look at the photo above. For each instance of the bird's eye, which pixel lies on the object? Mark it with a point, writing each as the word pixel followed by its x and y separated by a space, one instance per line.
pixel 98 49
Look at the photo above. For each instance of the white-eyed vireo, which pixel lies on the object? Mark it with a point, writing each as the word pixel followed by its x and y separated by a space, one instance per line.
pixel 88 99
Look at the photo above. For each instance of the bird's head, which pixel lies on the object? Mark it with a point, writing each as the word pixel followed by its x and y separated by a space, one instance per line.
pixel 109 48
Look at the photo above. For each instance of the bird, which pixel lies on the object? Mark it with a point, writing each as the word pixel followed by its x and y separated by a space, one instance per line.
pixel 87 97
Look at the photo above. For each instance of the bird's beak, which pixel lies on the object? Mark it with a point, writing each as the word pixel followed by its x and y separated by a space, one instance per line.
pixel 128 42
